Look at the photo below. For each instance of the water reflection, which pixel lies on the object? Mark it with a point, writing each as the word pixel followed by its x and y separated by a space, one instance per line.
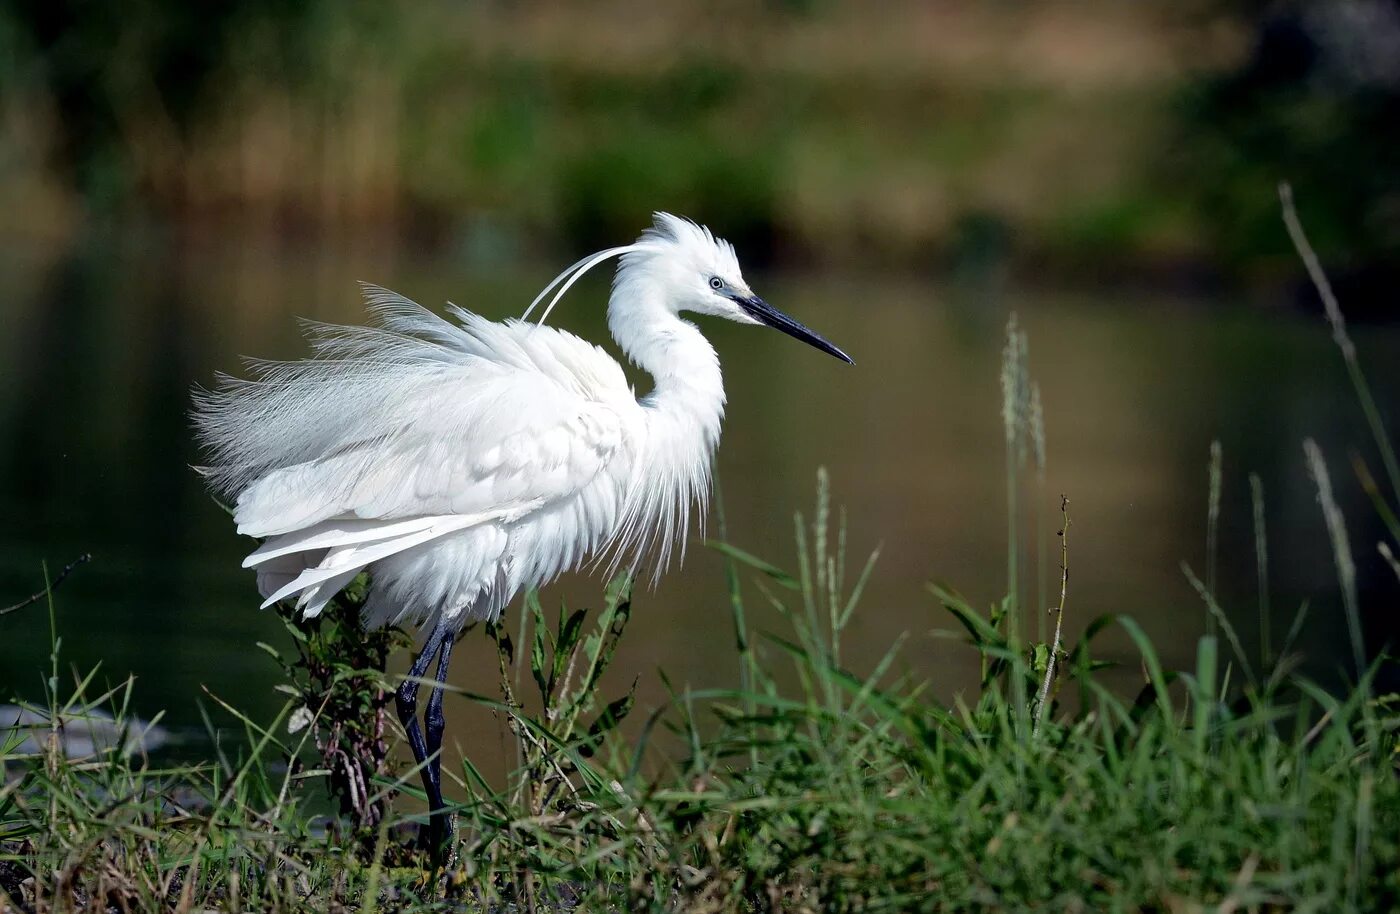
pixel 103 343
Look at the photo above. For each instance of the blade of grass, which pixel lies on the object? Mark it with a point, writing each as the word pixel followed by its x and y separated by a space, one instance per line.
pixel 1261 567
pixel 1216 479
pixel 1213 608
pixel 1342 338
pixel 1341 550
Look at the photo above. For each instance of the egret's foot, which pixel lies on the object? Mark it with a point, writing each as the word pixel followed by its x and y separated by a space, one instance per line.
pixel 438 838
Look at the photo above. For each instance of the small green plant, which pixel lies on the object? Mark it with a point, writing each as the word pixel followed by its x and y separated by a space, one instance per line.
pixel 342 696
pixel 555 747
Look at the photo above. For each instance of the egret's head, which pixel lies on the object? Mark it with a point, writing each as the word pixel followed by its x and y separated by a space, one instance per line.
pixel 682 266
pixel 699 272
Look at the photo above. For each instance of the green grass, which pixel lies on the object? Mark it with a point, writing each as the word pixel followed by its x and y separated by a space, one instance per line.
pixel 840 791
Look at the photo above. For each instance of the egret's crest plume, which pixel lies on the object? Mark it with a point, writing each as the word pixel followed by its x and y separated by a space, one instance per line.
pixel 666 231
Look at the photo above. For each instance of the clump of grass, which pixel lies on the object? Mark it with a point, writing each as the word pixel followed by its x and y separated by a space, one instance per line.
pixel 113 831
pixel 829 789
pixel 859 792
pixel 843 791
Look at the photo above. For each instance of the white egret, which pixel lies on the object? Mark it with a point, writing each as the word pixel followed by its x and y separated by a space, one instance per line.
pixel 459 462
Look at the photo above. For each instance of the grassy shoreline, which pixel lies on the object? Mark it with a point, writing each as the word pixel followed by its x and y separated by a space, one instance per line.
pixel 1209 787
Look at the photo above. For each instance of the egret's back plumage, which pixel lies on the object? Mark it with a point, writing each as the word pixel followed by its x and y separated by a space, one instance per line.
pixel 462 460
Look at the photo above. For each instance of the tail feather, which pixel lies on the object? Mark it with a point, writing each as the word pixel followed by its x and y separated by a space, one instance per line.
pixel 335 532
pixel 343 562
pixel 314 598
pixel 277 573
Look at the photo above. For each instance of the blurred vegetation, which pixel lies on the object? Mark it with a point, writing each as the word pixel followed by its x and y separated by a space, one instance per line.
pixel 1316 102
pixel 1087 138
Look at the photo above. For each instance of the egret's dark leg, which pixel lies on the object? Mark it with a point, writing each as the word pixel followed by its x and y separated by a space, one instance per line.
pixel 406 702
pixel 435 722
pixel 433 718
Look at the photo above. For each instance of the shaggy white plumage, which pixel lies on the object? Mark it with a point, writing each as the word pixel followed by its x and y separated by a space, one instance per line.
pixel 462 460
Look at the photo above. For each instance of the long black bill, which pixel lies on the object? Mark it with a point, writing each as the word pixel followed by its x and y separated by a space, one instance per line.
pixel 760 310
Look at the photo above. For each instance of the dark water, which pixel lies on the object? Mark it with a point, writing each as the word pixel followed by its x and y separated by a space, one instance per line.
pixel 102 342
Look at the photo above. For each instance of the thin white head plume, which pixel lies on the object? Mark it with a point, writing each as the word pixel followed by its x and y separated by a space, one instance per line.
pixel 665 229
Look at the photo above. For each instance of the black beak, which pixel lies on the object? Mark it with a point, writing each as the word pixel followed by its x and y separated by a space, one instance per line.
pixel 765 313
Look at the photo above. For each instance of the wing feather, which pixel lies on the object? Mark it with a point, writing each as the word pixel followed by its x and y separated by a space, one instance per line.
pixel 415 417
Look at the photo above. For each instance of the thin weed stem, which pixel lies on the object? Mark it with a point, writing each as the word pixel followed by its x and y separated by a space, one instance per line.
pixel 1016 403
pixel 1043 700
pixel 1037 432
pixel 1011 385
pixel 48 586
pixel 1261 566
pixel 1213 523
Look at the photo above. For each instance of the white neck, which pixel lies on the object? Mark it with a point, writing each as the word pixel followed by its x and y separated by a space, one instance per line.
pixel 689 387
pixel 683 413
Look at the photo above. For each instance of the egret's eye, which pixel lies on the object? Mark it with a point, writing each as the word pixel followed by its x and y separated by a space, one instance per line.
pixel 716 283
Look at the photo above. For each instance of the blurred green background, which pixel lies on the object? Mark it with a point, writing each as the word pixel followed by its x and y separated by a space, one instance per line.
pixel 178 180
pixel 1089 140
